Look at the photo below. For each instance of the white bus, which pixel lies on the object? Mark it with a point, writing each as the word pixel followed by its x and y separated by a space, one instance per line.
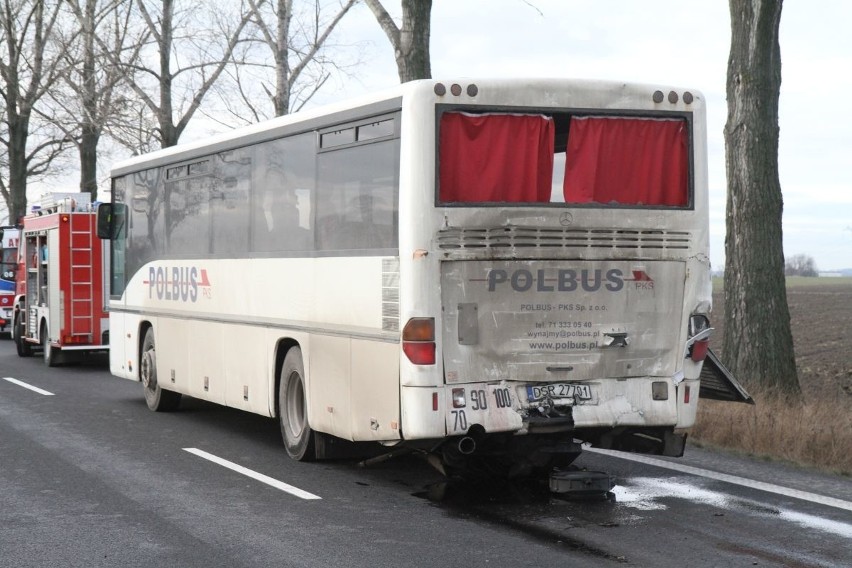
pixel 485 271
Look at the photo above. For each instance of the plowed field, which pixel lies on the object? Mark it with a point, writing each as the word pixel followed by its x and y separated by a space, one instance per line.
pixel 821 321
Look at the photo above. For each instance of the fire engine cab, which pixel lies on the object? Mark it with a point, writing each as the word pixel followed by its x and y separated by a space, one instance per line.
pixel 61 301
pixel 8 268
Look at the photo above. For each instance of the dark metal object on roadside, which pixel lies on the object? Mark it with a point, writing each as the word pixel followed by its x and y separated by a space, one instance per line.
pixel 582 485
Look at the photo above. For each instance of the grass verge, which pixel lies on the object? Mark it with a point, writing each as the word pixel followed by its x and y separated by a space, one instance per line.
pixel 814 433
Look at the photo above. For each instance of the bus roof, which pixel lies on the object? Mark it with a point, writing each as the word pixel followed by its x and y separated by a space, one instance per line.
pixel 389 100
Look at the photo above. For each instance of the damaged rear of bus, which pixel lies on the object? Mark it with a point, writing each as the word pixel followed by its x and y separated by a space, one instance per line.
pixel 561 285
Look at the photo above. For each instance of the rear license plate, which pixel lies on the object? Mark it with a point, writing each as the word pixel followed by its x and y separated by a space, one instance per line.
pixel 558 390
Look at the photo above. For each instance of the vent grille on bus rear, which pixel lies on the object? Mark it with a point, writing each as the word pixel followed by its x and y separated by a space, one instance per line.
pixel 530 237
pixel 390 294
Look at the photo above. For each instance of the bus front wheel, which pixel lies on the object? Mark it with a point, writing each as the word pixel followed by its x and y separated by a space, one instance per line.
pixel 293 408
pixel 157 398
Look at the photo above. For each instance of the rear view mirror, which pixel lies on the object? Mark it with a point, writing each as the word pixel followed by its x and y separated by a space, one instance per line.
pixel 110 220
pixel 104 218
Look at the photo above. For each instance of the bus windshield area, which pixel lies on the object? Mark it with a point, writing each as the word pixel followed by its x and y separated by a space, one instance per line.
pixel 7 267
pixel 601 160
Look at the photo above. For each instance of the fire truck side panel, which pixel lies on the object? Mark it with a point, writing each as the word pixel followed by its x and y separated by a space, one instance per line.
pixel 55 312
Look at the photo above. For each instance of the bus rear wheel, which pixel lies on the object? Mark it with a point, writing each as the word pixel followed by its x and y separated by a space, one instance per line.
pixel 293 408
pixel 157 398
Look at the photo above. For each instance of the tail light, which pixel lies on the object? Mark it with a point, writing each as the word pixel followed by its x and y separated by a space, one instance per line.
pixel 698 351
pixel 699 337
pixel 418 341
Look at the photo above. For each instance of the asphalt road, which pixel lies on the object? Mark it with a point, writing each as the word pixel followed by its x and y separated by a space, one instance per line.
pixel 90 477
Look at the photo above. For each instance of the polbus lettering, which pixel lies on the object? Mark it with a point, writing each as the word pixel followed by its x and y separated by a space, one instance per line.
pixel 178 283
pixel 566 280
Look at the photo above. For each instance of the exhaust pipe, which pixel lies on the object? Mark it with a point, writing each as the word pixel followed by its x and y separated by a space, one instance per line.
pixel 467 445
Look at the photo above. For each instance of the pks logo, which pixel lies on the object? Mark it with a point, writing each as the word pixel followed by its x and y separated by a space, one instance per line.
pixel 178 283
pixel 641 279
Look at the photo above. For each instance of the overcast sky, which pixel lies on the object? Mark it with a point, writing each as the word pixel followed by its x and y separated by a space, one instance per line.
pixel 683 43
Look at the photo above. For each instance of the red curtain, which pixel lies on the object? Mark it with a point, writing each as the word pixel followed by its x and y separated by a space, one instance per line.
pixel 496 158
pixel 628 161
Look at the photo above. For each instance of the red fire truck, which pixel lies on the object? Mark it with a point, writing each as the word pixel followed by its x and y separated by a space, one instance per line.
pixel 61 301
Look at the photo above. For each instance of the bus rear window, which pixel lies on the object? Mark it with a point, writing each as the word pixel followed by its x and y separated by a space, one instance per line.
pixel 561 158
pixel 496 157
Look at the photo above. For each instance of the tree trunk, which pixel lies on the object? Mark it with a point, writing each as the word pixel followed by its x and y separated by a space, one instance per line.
pixel 411 41
pixel 89 161
pixel 17 156
pixel 758 344
pixel 281 98
pixel 168 132
pixel 412 57
pixel 90 132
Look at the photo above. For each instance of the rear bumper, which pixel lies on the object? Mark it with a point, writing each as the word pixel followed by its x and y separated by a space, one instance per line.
pixel 641 403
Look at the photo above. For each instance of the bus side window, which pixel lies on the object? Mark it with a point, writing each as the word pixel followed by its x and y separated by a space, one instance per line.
pixel 329 233
pixel 369 224
pixel 282 195
pixel 357 197
pixel 281 217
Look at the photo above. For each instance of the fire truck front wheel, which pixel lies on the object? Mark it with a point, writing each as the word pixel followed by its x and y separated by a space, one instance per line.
pixel 24 349
pixel 158 399
pixel 51 355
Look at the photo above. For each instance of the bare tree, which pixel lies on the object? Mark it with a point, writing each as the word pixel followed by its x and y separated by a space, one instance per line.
pixel 4 164
pixel 189 49
pixel 94 98
pixel 758 343
pixel 300 66
pixel 137 130
pixel 31 63
pixel 800 265
pixel 410 41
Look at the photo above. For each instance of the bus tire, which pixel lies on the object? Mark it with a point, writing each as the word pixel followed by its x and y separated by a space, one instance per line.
pixel 23 348
pixel 157 398
pixel 293 408
pixel 51 355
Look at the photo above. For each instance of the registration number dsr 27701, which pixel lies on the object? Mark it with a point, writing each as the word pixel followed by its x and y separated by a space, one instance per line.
pixel 559 390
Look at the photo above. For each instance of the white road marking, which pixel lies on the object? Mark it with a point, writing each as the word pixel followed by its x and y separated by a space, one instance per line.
pixel 646 493
pixel 253 474
pixel 26 386
pixel 736 480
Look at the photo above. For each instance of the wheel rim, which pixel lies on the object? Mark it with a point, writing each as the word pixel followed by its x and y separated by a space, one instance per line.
pixel 295 404
pixel 147 370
